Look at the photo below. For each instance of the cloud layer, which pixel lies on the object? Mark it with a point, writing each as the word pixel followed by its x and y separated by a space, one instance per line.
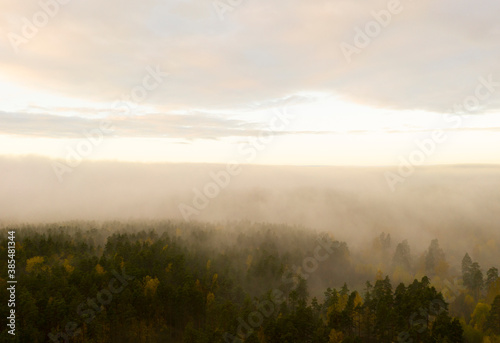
pixel 428 57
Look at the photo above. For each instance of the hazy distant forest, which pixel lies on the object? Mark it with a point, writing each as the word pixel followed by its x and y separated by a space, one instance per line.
pixel 175 281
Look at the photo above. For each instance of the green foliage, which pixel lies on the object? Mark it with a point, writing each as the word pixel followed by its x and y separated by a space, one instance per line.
pixel 467 271
pixel 195 282
pixel 493 320
pixel 435 261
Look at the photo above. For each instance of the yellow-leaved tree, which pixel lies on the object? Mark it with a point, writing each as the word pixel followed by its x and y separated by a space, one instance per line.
pixel 210 298
pixel 35 264
pixel 335 336
pixel 480 315
pixel 150 285
pixel 67 266
pixel 99 269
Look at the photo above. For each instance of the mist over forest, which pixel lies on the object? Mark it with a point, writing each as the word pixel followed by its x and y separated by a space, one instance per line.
pixel 232 171
pixel 458 205
pixel 199 241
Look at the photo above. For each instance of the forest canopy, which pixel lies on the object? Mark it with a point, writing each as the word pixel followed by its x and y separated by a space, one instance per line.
pixel 241 282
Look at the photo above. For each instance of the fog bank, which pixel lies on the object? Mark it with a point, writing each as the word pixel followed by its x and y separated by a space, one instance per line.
pixel 355 204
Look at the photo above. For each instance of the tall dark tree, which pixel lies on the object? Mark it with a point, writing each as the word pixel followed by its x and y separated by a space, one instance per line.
pixel 477 282
pixel 445 329
pixel 491 276
pixel 466 271
pixel 493 321
pixel 402 255
pixel 384 310
pixel 434 257
pixel 402 310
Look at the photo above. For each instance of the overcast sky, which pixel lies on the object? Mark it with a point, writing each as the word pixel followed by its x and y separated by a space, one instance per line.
pixel 193 81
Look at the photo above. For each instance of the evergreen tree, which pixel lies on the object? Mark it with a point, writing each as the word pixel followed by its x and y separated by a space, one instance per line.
pixel 434 258
pixel 477 282
pixel 493 321
pixel 491 276
pixel 466 271
pixel 402 255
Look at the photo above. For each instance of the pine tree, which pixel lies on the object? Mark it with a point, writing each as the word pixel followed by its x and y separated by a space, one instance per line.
pixel 434 258
pixel 382 296
pixel 466 271
pixel 493 321
pixel 477 281
pixel 491 277
pixel 402 255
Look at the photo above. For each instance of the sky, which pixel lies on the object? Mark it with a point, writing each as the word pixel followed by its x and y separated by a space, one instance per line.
pixel 262 82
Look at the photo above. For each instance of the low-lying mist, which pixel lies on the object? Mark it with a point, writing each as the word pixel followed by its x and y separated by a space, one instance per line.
pixel 459 205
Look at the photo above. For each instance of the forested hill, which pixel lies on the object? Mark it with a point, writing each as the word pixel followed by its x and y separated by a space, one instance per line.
pixel 238 282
